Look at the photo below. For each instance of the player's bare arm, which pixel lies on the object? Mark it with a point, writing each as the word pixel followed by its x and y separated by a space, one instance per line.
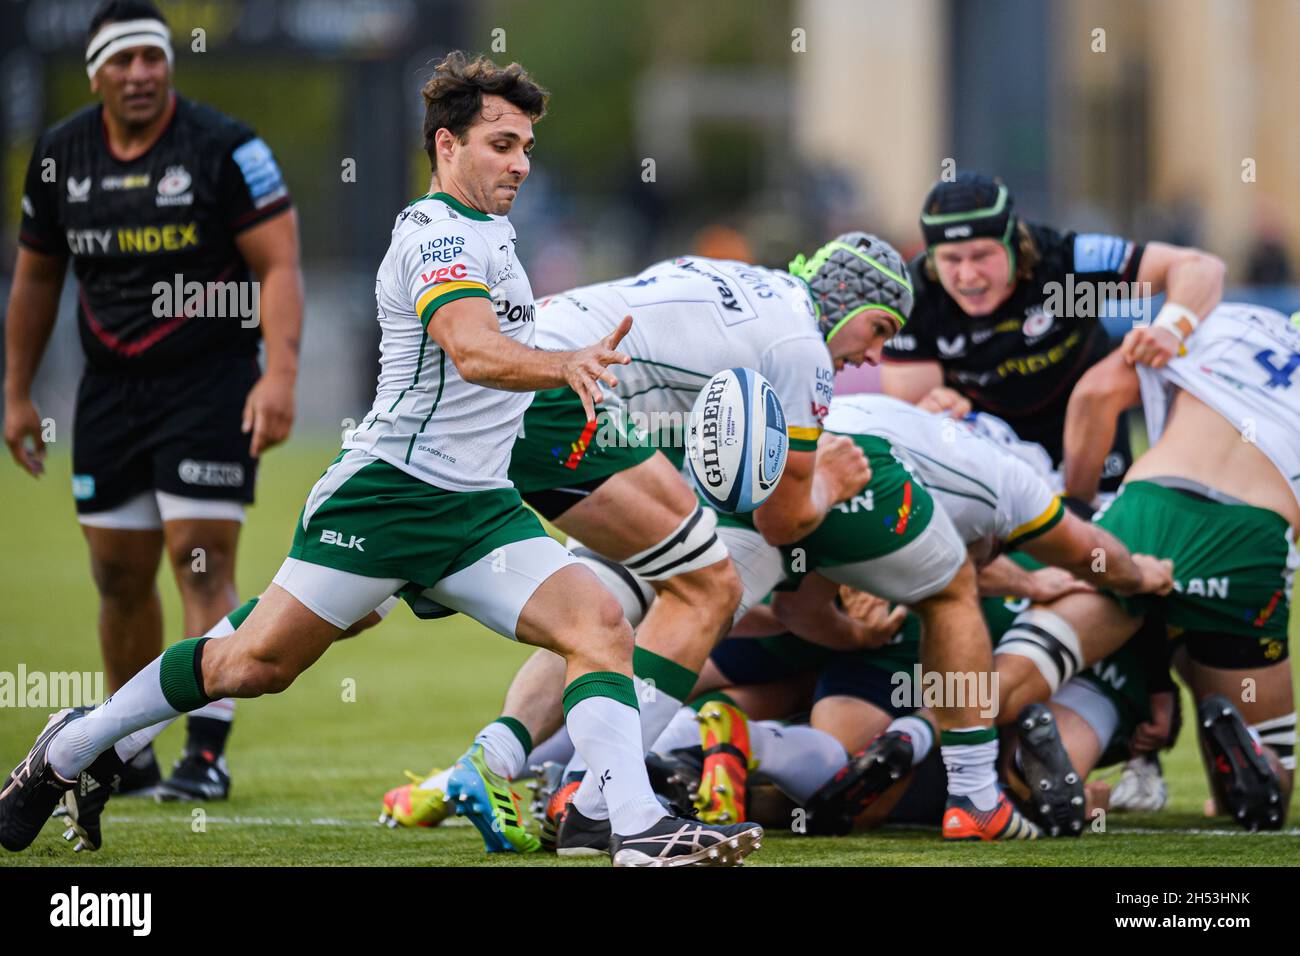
pixel 811 613
pixel 1002 577
pixel 1105 390
pixel 910 381
pixel 271 251
pixel 468 330
pixel 1095 555
pixel 29 320
pixel 812 483
pixel 1189 277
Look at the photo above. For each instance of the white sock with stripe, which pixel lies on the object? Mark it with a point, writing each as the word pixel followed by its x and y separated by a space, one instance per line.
pixel 919 729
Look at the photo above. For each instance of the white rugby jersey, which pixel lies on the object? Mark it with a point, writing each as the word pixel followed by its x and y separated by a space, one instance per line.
pixel 426 420
pixel 691 318
pixel 1244 362
pixel 987 490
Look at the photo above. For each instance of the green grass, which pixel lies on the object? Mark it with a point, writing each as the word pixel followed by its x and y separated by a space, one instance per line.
pixel 309 768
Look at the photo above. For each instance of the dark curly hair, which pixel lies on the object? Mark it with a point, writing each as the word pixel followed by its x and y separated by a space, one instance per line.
pixel 453 97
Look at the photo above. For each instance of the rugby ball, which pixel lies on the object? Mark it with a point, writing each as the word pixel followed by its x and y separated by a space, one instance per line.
pixel 736 443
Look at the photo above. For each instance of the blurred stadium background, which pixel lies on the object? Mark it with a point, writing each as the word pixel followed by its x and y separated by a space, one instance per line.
pixel 770 124
pixel 742 128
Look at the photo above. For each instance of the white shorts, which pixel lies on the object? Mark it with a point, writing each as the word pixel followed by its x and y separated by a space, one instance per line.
pixel 148 511
pixel 758 564
pixel 493 590
pixel 916 571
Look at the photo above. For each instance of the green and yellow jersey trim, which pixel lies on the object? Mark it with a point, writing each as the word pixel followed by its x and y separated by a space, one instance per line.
pixel 803 439
pixel 434 297
pixel 1044 523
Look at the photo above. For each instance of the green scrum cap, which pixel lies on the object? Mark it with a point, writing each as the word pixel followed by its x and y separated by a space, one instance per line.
pixel 851 274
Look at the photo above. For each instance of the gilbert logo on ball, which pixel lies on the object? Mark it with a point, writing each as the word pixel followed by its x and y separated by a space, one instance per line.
pixel 736 442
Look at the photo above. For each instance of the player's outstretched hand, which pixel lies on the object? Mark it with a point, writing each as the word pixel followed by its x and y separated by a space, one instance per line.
pixel 587 367
pixel 268 412
pixel 842 465
pixel 946 400
pixel 1157 574
pixel 877 624
pixel 1150 736
pixel 1150 345
pixel 23 422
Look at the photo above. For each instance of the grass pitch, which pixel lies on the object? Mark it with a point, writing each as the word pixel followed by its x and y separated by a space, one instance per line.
pixel 311 765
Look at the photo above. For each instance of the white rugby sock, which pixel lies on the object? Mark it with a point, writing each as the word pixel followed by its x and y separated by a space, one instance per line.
pixel 224 709
pixel 437 781
pixel 972 767
pixel 557 748
pixel 682 731
pixel 138 704
pixel 502 751
pixel 608 735
pixel 132 744
pixel 658 708
pixel 799 760
pixel 919 730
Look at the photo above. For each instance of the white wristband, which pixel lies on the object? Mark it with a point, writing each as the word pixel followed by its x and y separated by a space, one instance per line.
pixel 1177 319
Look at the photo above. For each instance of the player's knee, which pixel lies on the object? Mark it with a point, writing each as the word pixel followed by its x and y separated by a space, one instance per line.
pixel 594 631
pixel 122 582
pixel 202 571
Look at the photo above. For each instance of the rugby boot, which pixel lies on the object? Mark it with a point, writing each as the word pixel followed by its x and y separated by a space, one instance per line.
pixel 1056 799
pixel 962 821
pixel 490 803
pixel 674 841
pixel 411 806
pixel 33 788
pixel 724 736
pixel 859 784
pixel 1244 784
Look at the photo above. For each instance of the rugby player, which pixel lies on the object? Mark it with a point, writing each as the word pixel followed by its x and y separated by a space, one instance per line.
pixel 995 500
pixel 419 500
pixel 614 483
pixel 1219 494
pixel 1006 314
pixel 147 191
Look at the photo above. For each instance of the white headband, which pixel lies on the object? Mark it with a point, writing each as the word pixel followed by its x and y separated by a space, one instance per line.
pixel 123 35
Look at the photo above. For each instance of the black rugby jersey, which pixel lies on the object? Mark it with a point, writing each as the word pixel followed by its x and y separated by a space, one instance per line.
pixel 132 227
pixel 1022 361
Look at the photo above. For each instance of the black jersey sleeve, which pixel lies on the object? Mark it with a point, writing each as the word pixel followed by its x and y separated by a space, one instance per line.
pixel 1098 257
pixel 251 186
pixel 915 342
pixel 40 230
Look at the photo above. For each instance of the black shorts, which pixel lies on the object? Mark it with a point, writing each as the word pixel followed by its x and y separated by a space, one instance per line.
pixel 175 432
pixel 852 675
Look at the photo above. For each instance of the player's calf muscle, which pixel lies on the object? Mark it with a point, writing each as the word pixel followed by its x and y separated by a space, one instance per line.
pixel 1019 685
pixel 711 594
